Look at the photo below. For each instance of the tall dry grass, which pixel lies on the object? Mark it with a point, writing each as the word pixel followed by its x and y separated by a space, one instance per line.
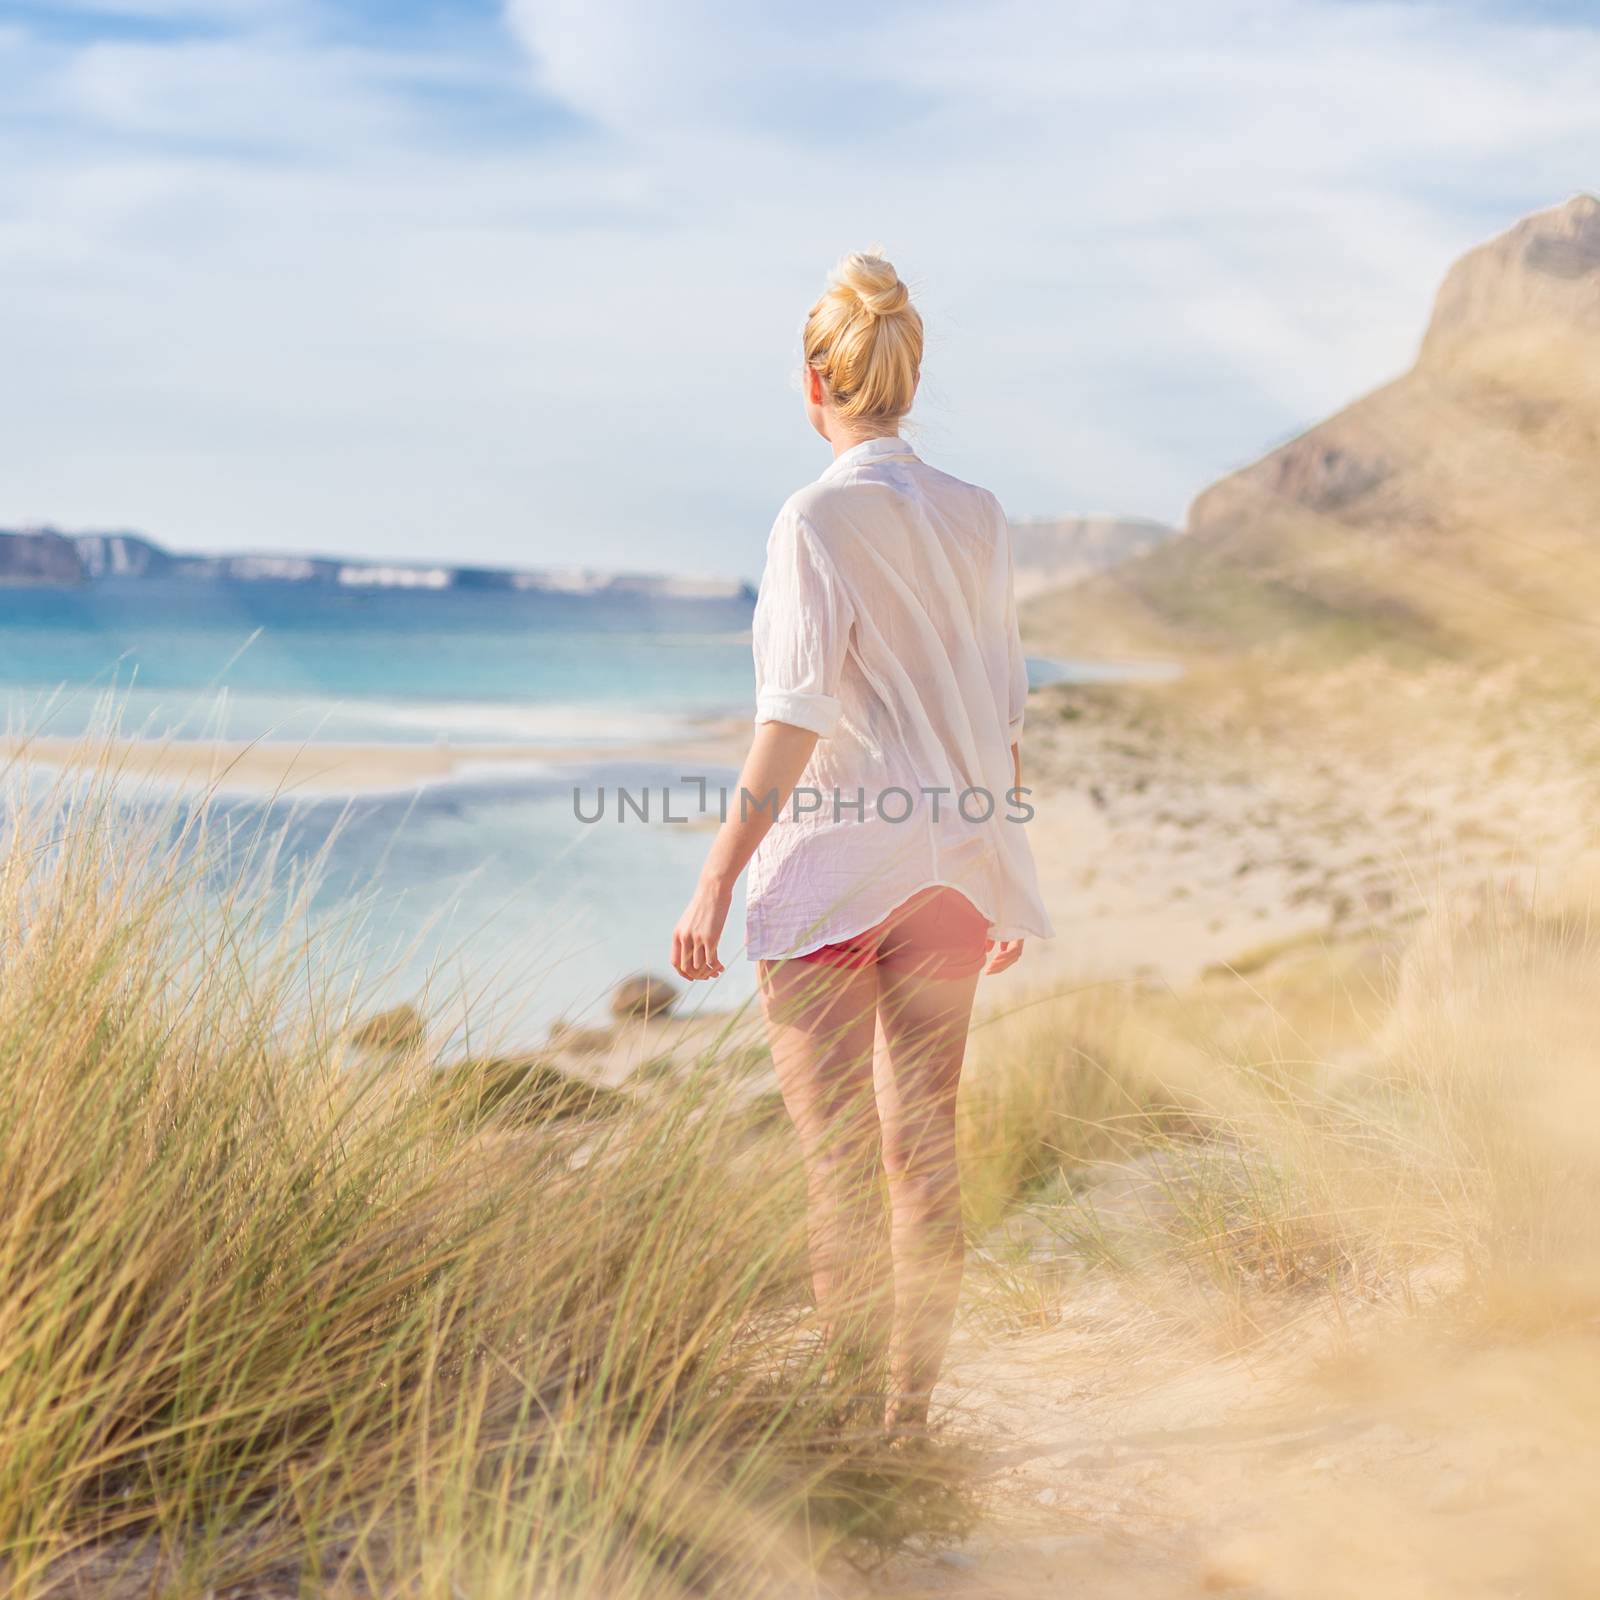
pixel 1385 1121
pixel 272 1316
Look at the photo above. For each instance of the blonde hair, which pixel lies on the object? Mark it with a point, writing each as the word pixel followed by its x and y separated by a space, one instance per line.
pixel 864 340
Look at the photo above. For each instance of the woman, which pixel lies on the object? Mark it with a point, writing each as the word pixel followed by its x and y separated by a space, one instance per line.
pixel 880 814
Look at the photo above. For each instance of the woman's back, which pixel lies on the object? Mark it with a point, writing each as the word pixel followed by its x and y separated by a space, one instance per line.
pixel 886 625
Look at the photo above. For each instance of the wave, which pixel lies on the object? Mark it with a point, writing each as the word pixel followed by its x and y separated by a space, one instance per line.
pixel 230 715
pixel 564 724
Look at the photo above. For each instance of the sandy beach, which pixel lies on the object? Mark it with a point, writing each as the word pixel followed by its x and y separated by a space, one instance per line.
pixel 1145 874
pixel 311 768
pixel 1167 844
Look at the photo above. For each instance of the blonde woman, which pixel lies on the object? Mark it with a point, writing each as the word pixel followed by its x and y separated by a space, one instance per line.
pixel 881 815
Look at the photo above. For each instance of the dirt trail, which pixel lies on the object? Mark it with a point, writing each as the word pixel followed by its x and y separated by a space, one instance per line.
pixel 1140 1440
pixel 1336 1463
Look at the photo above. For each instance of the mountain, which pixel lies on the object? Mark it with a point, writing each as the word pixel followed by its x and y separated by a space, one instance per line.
pixel 1455 510
pixel 44 556
pixel 1049 553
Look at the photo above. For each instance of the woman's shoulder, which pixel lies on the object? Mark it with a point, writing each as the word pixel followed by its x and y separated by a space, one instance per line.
pixel 819 503
pixel 970 497
pixel 821 513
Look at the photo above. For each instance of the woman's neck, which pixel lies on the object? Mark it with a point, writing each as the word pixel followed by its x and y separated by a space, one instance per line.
pixel 847 438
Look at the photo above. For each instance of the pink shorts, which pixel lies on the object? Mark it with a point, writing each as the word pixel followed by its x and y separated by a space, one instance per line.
pixel 937 933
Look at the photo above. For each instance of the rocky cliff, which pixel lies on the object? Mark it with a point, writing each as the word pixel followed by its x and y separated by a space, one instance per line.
pixel 1452 511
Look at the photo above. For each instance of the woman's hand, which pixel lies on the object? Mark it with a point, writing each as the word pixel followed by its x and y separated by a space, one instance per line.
pixel 695 939
pixel 778 755
pixel 1004 953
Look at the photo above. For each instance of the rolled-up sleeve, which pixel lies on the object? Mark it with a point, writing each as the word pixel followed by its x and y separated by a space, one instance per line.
pixel 801 630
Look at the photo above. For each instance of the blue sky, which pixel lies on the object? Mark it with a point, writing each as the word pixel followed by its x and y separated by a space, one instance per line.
pixel 522 282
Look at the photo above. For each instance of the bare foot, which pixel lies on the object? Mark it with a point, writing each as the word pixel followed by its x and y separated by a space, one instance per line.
pixel 905 1424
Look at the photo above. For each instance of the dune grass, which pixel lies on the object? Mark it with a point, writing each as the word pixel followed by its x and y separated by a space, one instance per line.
pixel 278 1314
pixel 270 1313
pixel 1378 1122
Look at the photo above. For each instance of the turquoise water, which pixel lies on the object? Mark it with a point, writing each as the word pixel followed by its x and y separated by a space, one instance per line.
pixel 484 889
pixel 488 896
pixel 484 886
pixel 269 660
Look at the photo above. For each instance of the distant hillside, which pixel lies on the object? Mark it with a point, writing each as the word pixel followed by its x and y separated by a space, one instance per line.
pixel 1049 554
pixel 44 556
pixel 1052 552
pixel 1455 510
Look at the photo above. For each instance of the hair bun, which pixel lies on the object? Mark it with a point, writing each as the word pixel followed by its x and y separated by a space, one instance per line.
pixel 863 338
pixel 873 281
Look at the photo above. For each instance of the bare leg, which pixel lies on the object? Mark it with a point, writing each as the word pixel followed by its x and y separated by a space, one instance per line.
pixel 917 1072
pixel 820 1021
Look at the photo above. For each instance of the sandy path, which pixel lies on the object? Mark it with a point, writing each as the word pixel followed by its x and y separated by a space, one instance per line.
pixel 1127 1446
pixel 1326 1467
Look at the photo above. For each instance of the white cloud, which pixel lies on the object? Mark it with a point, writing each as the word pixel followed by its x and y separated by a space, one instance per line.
pixel 499 300
pixel 652 65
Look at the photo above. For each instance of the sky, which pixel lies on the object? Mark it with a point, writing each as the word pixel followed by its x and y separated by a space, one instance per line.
pixel 522 282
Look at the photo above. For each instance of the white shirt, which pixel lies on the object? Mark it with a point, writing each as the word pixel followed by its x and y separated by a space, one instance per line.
pixel 886 623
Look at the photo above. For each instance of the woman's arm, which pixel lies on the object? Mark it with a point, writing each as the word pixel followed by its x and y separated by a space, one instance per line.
pixel 1005 953
pixel 778 755
pixel 799 634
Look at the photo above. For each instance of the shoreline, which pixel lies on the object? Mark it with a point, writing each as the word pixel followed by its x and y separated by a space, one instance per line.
pixel 326 769
pixel 1167 845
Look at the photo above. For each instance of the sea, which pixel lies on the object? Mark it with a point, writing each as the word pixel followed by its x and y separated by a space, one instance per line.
pixel 483 896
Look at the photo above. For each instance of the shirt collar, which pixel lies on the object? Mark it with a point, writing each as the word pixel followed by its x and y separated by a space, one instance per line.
pixel 890 447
